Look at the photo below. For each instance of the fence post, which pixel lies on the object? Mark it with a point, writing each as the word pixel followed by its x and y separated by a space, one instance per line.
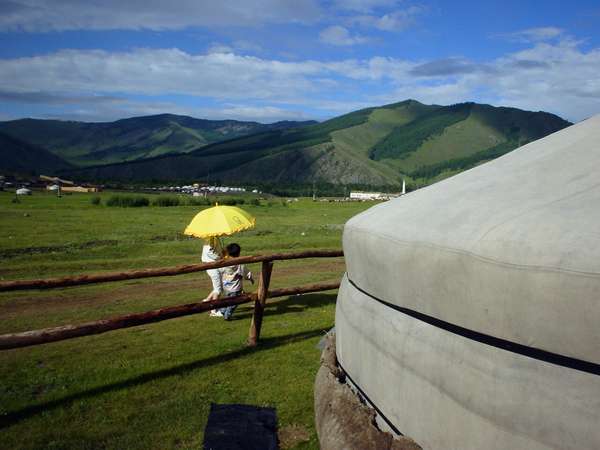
pixel 259 304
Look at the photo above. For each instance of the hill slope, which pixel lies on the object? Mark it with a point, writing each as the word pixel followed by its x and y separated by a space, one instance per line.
pixel 375 146
pixel 86 144
pixel 20 157
pixel 460 136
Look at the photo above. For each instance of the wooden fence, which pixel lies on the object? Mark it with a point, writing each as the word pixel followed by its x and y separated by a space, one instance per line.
pixel 36 337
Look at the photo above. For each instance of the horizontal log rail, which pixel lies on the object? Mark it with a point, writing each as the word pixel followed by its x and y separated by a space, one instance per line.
pixel 46 335
pixel 159 272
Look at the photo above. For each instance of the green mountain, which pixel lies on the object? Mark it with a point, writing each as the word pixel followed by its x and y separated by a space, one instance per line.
pixel 461 136
pixel 373 146
pixel 85 144
pixel 18 157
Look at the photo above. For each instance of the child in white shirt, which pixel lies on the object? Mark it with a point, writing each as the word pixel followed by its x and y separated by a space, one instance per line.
pixel 232 278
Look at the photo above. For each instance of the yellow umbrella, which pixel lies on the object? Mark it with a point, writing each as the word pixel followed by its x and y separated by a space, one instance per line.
pixel 219 221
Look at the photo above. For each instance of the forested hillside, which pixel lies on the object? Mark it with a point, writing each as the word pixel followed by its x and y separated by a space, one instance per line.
pixel 18 157
pixel 374 146
pixel 85 144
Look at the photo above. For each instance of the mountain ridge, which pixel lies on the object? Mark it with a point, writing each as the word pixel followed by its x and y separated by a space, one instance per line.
pixel 381 146
pixel 19 157
pixel 92 143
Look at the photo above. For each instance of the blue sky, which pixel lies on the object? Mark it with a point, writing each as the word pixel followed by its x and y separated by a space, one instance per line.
pixel 269 60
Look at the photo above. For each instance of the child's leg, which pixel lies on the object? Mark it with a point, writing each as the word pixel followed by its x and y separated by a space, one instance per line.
pixel 228 310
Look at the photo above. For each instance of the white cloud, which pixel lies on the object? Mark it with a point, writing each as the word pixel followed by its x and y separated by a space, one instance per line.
pixel 106 112
pixel 363 5
pixel 533 34
pixel 446 67
pixel 440 94
pixel 397 20
pixel 559 77
pixel 377 68
pixel 238 46
pixel 218 47
pixel 247 46
pixel 44 15
pixel 49 98
pixel 263 114
pixel 158 72
pixel 338 35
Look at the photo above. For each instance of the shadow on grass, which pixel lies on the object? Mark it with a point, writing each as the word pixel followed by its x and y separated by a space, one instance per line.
pixel 294 304
pixel 14 417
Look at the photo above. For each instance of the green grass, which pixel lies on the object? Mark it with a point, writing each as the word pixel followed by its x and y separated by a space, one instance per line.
pixel 150 387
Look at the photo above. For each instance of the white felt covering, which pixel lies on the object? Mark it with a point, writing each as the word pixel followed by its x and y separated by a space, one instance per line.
pixel 509 249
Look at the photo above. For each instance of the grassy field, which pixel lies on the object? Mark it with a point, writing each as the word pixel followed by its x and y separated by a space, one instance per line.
pixel 150 387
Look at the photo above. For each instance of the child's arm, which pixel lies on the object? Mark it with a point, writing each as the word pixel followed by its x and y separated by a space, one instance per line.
pixel 247 274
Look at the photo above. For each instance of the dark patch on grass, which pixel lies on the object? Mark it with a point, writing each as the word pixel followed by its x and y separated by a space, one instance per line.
pixel 258 233
pixel 170 237
pixel 295 304
pixel 239 426
pixel 13 252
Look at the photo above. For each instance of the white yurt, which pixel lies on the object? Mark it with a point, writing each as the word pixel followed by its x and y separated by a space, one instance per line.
pixel 469 317
pixel 23 191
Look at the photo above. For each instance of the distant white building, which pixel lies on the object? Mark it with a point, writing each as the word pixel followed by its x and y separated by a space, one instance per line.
pixel 23 191
pixel 360 195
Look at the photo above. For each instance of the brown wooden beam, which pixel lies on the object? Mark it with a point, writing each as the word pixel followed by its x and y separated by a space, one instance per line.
pixel 46 335
pixel 159 272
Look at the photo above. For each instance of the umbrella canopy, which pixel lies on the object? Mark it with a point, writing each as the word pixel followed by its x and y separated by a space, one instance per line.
pixel 219 221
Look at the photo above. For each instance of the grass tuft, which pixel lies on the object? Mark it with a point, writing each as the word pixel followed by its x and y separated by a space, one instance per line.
pixel 127 201
pixel 166 201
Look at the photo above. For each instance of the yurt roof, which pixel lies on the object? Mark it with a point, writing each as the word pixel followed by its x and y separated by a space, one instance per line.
pixel 510 248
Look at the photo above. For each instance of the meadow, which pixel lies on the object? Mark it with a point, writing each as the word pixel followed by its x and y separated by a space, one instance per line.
pixel 150 387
